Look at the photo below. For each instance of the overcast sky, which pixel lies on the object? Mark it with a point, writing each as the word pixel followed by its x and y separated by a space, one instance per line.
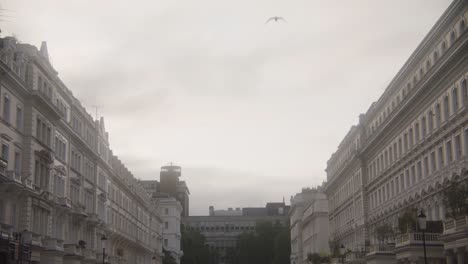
pixel 251 111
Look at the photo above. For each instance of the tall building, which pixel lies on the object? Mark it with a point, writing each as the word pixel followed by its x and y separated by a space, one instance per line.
pixel 170 184
pixel 170 210
pixel 309 224
pixel 410 144
pixel 64 196
pixel 222 227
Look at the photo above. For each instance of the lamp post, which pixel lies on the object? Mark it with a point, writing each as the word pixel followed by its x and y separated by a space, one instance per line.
pixel 103 242
pixel 422 226
pixel 342 252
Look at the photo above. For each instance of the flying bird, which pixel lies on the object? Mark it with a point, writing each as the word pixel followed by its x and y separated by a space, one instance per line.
pixel 275 18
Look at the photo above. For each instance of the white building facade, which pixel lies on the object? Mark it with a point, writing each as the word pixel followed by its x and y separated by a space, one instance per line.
pixel 409 145
pixel 171 210
pixel 61 188
pixel 309 225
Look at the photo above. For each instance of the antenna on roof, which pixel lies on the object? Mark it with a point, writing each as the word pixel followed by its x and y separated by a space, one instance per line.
pixel 96 107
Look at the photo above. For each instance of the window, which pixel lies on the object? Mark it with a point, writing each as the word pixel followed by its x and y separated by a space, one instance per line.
pixel 436 56
pixel 426 166
pixel 464 89
pixel 454 100
pixel 17 163
pixel 400 147
pixel 428 65
pixel 41 174
pixel 19 117
pixel 5 151
pixel 437 115
pixel 13 221
pixel 416 132
pixel 433 161
pixel 430 120
pixel 448 147
pixel 413 175
pixel 462 26
pixel 444 46
pixel 466 142
pixel 441 157
pixel 452 37
pixel 165 242
pixel 406 142
pixel 423 126
pixel 6 108
pixel 458 149
pixel 446 108
pixel 166 211
pixel 410 137
pixel 418 171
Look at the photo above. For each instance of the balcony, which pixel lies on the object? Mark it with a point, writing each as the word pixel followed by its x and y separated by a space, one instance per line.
pixel 381 254
pixel 53 244
pixel 13 176
pixel 455 234
pixel 355 257
pixel 63 201
pixel 42 98
pixel 410 246
pixel 73 250
pixel 89 254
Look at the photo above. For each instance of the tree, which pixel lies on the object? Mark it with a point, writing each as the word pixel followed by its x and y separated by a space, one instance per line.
pixel 407 221
pixel 194 248
pixel 269 244
pixel 384 233
pixel 314 258
pixel 455 199
pixel 168 258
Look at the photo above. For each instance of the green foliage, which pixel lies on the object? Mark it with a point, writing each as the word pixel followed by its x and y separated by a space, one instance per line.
pixel 193 246
pixel 384 233
pixel 334 248
pixel 316 258
pixel 269 244
pixel 168 258
pixel 456 199
pixel 408 221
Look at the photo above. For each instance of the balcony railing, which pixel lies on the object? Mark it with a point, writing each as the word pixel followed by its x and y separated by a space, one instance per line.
pixel 417 238
pixel 382 248
pixel 53 244
pixel 13 176
pixel 73 249
pixel 457 224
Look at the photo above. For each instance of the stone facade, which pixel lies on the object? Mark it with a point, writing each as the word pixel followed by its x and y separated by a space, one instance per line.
pixel 409 145
pixel 61 187
pixel 309 224
pixel 221 231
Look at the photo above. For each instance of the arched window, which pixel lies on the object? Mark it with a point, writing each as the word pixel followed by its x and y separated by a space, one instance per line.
pixel 430 119
pixel 428 65
pixel 452 37
pixel 444 46
pixel 455 100
pixel 437 115
pixel 421 73
pixel 436 56
pixel 464 89
pixel 423 126
pixel 462 26
pixel 446 108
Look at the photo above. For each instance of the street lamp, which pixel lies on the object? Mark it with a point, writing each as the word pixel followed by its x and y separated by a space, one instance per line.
pixel 342 252
pixel 422 226
pixel 103 242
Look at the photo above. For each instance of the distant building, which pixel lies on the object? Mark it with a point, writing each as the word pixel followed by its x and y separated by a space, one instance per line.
pixel 170 196
pixel 309 224
pixel 222 227
pixel 170 211
pixel 170 184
